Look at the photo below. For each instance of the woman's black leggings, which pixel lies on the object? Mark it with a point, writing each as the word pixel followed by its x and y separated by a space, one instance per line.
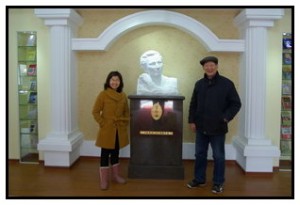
pixel 113 153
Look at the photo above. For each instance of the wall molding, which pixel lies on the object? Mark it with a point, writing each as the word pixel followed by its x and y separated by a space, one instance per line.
pixel 158 17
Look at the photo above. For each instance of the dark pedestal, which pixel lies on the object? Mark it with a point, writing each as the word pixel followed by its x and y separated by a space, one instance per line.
pixel 156 137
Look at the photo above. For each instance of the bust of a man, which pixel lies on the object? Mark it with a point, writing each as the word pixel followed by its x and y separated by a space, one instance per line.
pixel 152 82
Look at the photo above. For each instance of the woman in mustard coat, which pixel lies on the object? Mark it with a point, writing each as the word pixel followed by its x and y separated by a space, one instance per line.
pixel 111 112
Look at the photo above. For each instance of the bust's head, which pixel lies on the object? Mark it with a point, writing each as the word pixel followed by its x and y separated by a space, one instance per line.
pixel 151 62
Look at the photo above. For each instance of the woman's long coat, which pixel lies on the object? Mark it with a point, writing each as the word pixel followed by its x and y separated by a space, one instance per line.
pixel 111 111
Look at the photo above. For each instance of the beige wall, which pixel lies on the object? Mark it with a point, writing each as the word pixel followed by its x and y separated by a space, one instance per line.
pixel 181 54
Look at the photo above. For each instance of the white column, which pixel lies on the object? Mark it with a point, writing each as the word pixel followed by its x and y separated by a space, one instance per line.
pixel 255 152
pixel 61 145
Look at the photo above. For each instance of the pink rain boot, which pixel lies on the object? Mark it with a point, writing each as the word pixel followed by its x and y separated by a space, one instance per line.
pixel 104 177
pixel 116 174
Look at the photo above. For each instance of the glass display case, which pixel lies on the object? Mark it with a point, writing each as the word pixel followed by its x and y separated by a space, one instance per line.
pixel 27 95
pixel 286 101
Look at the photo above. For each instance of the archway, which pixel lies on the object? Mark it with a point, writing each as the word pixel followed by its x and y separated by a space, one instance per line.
pixel 158 17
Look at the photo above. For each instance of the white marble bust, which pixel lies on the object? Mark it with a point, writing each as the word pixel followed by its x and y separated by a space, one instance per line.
pixel 152 82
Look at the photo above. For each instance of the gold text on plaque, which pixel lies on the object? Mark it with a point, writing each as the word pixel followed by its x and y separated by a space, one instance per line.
pixel 142 132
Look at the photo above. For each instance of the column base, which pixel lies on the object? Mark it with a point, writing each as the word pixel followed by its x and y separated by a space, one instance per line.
pixel 255 157
pixel 61 151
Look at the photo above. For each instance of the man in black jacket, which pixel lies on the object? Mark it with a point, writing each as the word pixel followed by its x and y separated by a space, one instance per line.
pixel 214 103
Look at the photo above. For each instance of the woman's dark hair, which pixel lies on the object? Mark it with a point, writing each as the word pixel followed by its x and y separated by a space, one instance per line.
pixel 110 75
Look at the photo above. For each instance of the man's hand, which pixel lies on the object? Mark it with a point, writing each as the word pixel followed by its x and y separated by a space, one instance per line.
pixel 193 127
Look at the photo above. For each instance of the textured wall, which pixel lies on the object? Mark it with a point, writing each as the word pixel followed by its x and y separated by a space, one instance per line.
pixel 181 53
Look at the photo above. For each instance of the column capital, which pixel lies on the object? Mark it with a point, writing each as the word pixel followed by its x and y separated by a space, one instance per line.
pixel 258 17
pixel 59 17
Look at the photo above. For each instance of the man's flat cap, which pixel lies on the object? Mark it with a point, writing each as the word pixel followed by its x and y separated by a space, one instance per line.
pixel 208 59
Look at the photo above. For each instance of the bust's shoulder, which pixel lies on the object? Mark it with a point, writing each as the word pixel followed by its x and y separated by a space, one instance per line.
pixel 170 79
pixel 143 75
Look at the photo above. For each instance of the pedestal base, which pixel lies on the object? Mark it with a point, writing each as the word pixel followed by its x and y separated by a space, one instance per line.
pixel 156 137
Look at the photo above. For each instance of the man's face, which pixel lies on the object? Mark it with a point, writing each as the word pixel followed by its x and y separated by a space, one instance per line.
pixel 154 65
pixel 210 69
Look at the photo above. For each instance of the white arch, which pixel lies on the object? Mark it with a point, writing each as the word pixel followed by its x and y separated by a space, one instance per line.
pixel 158 17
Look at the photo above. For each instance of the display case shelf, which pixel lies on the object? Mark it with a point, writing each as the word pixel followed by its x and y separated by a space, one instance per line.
pixel 27 95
